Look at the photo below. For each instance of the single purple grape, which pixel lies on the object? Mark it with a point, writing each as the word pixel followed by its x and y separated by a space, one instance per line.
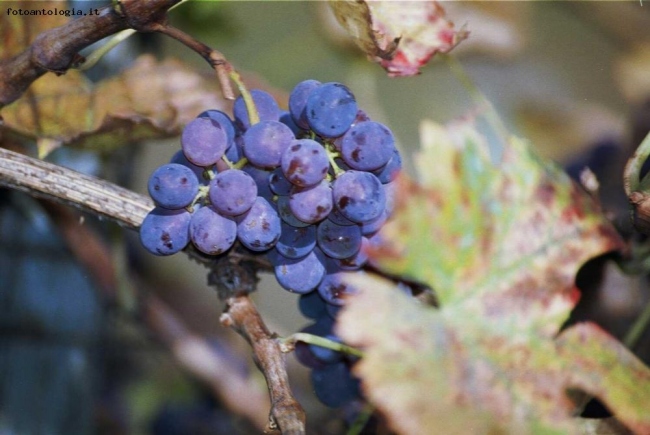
pixel 300 275
pixel 265 142
pixel 311 204
pixel 305 163
pixel 367 146
pixel 331 109
pixel 232 192
pixel 204 141
pixel 359 196
pixel 296 242
pixel 259 228
pixel 224 121
pixel 173 186
pixel 338 241
pixel 165 232
pixel 212 233
pixel 298 101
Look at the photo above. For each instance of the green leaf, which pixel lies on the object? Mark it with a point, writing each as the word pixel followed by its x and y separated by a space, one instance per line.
pixel 499 235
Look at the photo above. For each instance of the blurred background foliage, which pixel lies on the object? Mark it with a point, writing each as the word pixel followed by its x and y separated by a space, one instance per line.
pixel 573 77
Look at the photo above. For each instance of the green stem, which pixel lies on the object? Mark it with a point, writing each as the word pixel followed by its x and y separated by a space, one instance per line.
pixel 241 163
pixel 637 329
pixel 331 155
pixel 632 174
pixel 322 342
pixel 96 55
pixel 253 116
pixel 362 420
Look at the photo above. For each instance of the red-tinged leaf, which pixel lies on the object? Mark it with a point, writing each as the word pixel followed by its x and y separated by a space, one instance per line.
pixel 499 239
pixel 443 371
pixel 400 36
pixel 495 234
pixel 149 100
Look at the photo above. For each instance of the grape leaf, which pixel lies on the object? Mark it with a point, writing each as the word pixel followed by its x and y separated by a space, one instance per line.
pixel 499 239
pixel 400 36
pixel 150 100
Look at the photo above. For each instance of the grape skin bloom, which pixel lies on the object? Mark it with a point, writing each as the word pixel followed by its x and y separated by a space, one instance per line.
pixel 212 233
pixel 232 192
pixel 173 186
pixel 165 232
pixel 204 141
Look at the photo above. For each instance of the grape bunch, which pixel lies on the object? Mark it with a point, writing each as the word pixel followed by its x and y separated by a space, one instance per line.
pixel 309 187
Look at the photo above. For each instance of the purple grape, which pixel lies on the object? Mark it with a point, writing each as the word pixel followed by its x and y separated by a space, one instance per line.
pixel 265 142
pixel 305 163
pixel 338 241
pixel 259 228
pixel 211 232
pixel 311 305
pixel 331 109
pixel 334 385
pixel 173 186
pixel 332 310
pixel 367 146
pixel 180 158
pixel 296 242
pixel 224 121
pixel 336 217
pixel 232 192
pixel 299 275
pixel 261 178
pixel 357 261
pixel 278 183
pixel 374 225
pixel 361 117
pixel 334 289
pixel 165 232
pixel 204 141
pixel 267 109
pixel 298 101
pixel 359 196
pixel 389 172
pixel 287 216
pixel 311 204
pixel 287 120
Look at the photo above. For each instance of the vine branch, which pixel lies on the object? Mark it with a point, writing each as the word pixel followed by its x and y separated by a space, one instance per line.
pixel 57 50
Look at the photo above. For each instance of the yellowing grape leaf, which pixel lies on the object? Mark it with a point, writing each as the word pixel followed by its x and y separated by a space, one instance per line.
pixel 500 240
pixel 149 100
pixel 399 35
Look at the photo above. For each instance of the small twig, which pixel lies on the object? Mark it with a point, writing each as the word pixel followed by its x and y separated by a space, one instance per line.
pixel 632 173
pixel 288 344
pixel 286 413
pixel 213 57
pixel 638 328
pixel 96 55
